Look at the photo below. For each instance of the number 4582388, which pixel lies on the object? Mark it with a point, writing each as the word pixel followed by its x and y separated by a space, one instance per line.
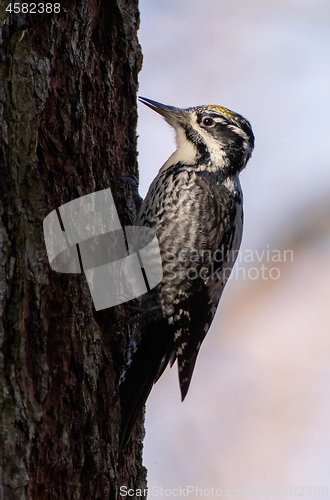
pixel 34 8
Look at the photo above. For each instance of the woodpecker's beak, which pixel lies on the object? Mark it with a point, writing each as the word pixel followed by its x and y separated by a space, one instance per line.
pixel 172 115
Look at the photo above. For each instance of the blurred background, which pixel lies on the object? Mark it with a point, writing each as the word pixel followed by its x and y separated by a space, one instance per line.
pixel 257 414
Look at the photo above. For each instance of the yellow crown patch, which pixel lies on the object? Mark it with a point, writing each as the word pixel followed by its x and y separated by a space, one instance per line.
pixel 224 111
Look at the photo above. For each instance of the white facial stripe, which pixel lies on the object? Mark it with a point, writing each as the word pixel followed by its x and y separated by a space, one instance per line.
pixel 186 151
pixel 218 119
pixel 237 130
pixel 217 154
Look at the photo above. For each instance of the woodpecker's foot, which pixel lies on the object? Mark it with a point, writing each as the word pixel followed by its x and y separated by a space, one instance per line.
pixel 134 184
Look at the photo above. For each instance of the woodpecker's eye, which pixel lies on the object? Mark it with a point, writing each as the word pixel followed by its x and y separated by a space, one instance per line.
pixel 208 121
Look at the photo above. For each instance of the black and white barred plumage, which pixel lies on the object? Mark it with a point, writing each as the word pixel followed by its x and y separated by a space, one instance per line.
pixel 195 207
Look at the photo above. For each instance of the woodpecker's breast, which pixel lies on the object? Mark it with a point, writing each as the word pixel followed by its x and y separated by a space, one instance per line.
pixel 194 213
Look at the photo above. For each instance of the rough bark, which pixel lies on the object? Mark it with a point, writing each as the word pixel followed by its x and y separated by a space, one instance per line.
pixel 68 116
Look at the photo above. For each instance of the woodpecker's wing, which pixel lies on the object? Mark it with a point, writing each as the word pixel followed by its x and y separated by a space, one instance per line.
pixel 204 279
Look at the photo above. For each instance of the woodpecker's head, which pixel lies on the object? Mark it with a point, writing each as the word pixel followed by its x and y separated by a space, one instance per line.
pixel 217 134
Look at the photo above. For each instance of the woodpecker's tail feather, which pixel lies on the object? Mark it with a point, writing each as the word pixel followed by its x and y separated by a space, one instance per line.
pixel 149 361
pixel 186 369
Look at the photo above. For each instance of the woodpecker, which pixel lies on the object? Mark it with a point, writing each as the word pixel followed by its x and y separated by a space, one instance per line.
pixel 195 206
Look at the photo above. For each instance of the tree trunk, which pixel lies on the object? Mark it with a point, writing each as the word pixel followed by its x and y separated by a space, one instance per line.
pixel 68 85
